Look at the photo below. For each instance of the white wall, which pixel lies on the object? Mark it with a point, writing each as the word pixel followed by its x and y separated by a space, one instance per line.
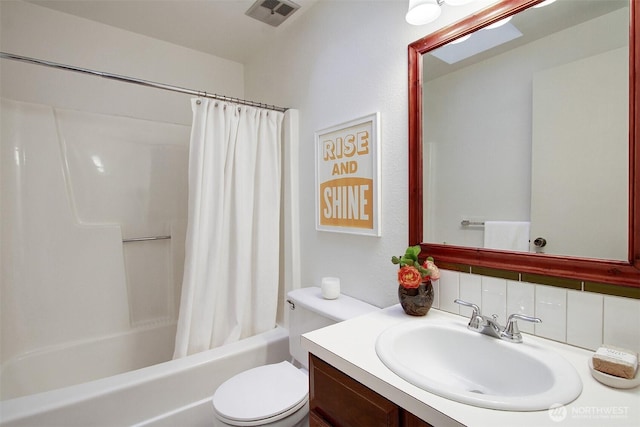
pixel 339 61
pixel 42 33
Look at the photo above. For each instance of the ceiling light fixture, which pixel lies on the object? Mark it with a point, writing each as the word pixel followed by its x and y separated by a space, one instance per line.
pixel 461 39
pixel 458 2
pixel 498 24
pixel 545 3
pixel 422 12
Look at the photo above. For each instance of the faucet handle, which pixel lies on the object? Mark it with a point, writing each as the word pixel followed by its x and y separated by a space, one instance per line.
pixel 475 321
pixel 511 332
pixel 476 309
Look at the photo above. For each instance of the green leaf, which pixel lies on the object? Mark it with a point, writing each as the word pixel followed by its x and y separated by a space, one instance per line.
pixel 412 252
pixel 406 260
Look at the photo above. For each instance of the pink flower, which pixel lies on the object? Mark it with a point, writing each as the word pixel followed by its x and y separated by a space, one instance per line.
pixel 409 277
pixel 434 273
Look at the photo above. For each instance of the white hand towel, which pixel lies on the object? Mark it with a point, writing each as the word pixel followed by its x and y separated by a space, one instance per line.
pixel 507 235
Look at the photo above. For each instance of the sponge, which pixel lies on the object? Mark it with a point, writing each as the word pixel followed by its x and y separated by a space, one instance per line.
pixel 616 361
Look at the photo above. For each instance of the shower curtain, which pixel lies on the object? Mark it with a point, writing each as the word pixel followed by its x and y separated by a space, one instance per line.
pixel 230 282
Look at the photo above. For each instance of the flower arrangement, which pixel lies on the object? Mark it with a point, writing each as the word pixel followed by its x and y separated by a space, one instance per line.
pixel 411 272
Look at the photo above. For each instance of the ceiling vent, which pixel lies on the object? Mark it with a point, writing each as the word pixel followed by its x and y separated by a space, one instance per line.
pixel 272 12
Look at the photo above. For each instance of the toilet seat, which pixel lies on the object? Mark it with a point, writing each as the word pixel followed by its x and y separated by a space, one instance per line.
pixel 261 395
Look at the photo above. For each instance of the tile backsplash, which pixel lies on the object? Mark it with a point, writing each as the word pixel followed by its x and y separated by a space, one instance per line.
pixel 579 318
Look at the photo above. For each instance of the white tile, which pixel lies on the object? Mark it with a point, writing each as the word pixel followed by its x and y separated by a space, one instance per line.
pixel 521 300
pixel 551 307
pixel 470 291
pixel 622 322
pixel 494 298
pixel 436 293
pixel 448 290
pixel 584 319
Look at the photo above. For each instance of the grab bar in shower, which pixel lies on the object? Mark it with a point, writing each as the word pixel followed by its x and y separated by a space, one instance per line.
pixel 144 239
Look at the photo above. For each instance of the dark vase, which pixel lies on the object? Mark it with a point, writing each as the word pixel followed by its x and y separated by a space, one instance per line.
pixel 416 301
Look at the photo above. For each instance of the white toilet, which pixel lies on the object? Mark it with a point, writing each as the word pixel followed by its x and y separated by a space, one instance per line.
pixel 277 395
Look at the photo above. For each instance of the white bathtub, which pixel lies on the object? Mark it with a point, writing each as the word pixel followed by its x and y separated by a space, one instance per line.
pixel 87 360
pixel 174 393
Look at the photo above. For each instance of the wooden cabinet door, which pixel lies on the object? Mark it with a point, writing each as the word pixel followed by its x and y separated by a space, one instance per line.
pixel 340 401
pixel 410 420
pixel 316 420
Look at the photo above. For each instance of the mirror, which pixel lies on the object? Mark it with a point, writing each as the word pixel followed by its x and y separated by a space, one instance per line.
pixel 549 167
pixel 463 243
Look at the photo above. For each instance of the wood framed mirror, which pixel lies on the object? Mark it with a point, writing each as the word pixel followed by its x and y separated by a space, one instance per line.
pixel 606 271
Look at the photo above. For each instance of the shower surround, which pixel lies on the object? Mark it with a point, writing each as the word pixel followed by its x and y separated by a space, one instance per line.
pixel 78 303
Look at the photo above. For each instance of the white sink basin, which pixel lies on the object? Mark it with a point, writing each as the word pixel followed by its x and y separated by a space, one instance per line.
pixel 449 360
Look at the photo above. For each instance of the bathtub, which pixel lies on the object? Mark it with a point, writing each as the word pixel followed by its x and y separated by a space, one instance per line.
pixel 82 361
pixel 173 393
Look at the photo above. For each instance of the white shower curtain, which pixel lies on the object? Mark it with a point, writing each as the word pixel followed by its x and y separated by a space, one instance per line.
pixel 230 283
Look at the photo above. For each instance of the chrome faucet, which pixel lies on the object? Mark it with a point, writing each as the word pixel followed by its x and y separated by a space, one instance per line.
pixel 490 326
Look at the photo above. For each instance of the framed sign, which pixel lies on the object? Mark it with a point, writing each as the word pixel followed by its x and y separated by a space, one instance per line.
pixel 348 177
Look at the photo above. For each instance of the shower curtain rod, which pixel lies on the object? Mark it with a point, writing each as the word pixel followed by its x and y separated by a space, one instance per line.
pixel 139 81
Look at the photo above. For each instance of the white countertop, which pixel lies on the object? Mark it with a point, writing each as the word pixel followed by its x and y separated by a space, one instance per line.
pixel 350 347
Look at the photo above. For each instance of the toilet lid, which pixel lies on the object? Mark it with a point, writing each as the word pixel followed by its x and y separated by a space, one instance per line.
pixel 269 391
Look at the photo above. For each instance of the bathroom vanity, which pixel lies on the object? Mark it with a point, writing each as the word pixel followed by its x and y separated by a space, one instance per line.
pixel 337 399
pixel 351 386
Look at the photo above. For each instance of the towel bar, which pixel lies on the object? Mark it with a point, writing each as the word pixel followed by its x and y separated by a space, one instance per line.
pixel 144 239
pixel 467 223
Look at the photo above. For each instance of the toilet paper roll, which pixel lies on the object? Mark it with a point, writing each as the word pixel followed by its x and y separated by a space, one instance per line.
pixel 330 287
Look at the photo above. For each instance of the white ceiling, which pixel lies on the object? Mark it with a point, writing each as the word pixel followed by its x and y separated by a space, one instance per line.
pixel 217 27
pixel 221 28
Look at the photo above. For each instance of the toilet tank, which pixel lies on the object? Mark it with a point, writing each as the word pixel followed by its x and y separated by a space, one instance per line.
pixel 310 311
